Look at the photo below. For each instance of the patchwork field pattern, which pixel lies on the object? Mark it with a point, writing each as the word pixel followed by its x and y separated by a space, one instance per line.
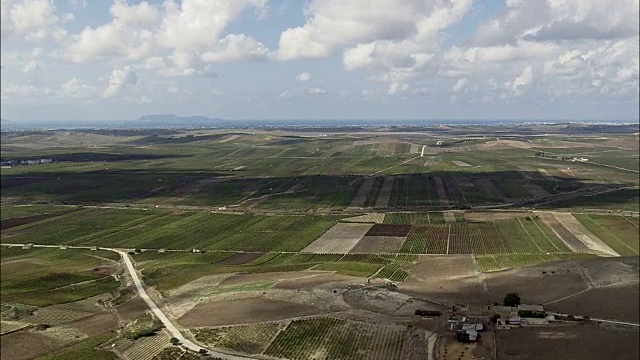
pixel 339 239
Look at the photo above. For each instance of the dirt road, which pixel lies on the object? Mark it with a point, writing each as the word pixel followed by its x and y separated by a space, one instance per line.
pixel 173 330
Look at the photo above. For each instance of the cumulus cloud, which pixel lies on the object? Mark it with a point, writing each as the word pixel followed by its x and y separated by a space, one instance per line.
pixel 120 78
pixel 303 77
pixel 33 20
pixel 175 39
pixel 333 24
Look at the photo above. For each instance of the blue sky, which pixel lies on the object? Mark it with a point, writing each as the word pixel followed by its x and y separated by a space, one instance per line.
pixel 320 59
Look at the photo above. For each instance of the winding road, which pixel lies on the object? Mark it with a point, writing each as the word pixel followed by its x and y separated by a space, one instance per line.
pixel 173 330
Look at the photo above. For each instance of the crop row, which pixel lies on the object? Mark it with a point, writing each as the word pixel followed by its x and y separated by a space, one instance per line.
pixel 337 339
pixel 147 347
pixel 249 338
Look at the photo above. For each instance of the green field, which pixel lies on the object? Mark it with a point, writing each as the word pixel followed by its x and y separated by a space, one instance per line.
pixel 45 277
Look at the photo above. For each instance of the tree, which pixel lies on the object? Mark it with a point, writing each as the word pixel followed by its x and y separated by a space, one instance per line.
pixel 511 299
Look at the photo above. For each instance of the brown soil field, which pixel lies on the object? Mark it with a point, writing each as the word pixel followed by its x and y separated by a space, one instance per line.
pixel 584 343
pixel 388 230
pixel 26 345
pixel 240 311
pixel 96 325
pixel 253 278
pixel 611 303
pixel 563 233
pixel 131 309
pixel 450 278
pixel 436 268
pixel 491 216
pixel 378 244
pixel 313 281
pixel 534 288
pixel 339 239
pixel 240 258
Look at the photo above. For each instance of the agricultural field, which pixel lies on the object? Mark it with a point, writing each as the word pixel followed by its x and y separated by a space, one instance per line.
pixel 338 339
pixel 305 243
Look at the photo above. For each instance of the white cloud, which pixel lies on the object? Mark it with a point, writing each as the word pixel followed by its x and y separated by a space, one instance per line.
pixel 285 94
pixel 397 88
pixel 521 81
pixel 24 90
pixel 175 39
pixel 119 79
pixel 460 84
pixel 334 24
pixel 303 77
pixel 33 20
pixel 76 88
pixel 31 66
pixel 144 100
pixel 316 91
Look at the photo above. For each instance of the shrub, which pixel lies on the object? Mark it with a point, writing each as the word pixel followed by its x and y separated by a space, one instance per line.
pixel 511 299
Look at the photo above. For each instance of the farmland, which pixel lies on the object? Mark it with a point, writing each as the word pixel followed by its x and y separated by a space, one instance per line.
pixel 283 243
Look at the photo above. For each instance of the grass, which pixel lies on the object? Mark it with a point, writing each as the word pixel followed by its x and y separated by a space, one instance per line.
pixel 619 233
pixel 15 211
pixel 488 263
pixel 159 229
pixel 350 268
pixel 49 276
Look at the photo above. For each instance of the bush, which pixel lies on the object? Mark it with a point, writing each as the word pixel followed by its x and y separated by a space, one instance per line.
pixel 511 299
pixel 532 314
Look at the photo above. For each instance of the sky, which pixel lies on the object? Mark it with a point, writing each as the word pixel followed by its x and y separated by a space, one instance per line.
pixel 320 59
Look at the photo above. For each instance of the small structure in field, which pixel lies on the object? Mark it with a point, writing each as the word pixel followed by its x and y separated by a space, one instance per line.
pixel 514 321
pixel 467 335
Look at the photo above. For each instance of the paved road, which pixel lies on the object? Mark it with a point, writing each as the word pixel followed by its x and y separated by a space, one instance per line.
pixel 173 330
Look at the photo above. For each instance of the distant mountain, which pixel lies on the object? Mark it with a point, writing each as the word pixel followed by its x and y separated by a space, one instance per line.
pixel 175 120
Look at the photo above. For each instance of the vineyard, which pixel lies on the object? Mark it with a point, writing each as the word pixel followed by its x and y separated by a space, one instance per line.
pixel 331 338
pixel 147 347
pixel 513 236
pixel 64 313
pixel 249 339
